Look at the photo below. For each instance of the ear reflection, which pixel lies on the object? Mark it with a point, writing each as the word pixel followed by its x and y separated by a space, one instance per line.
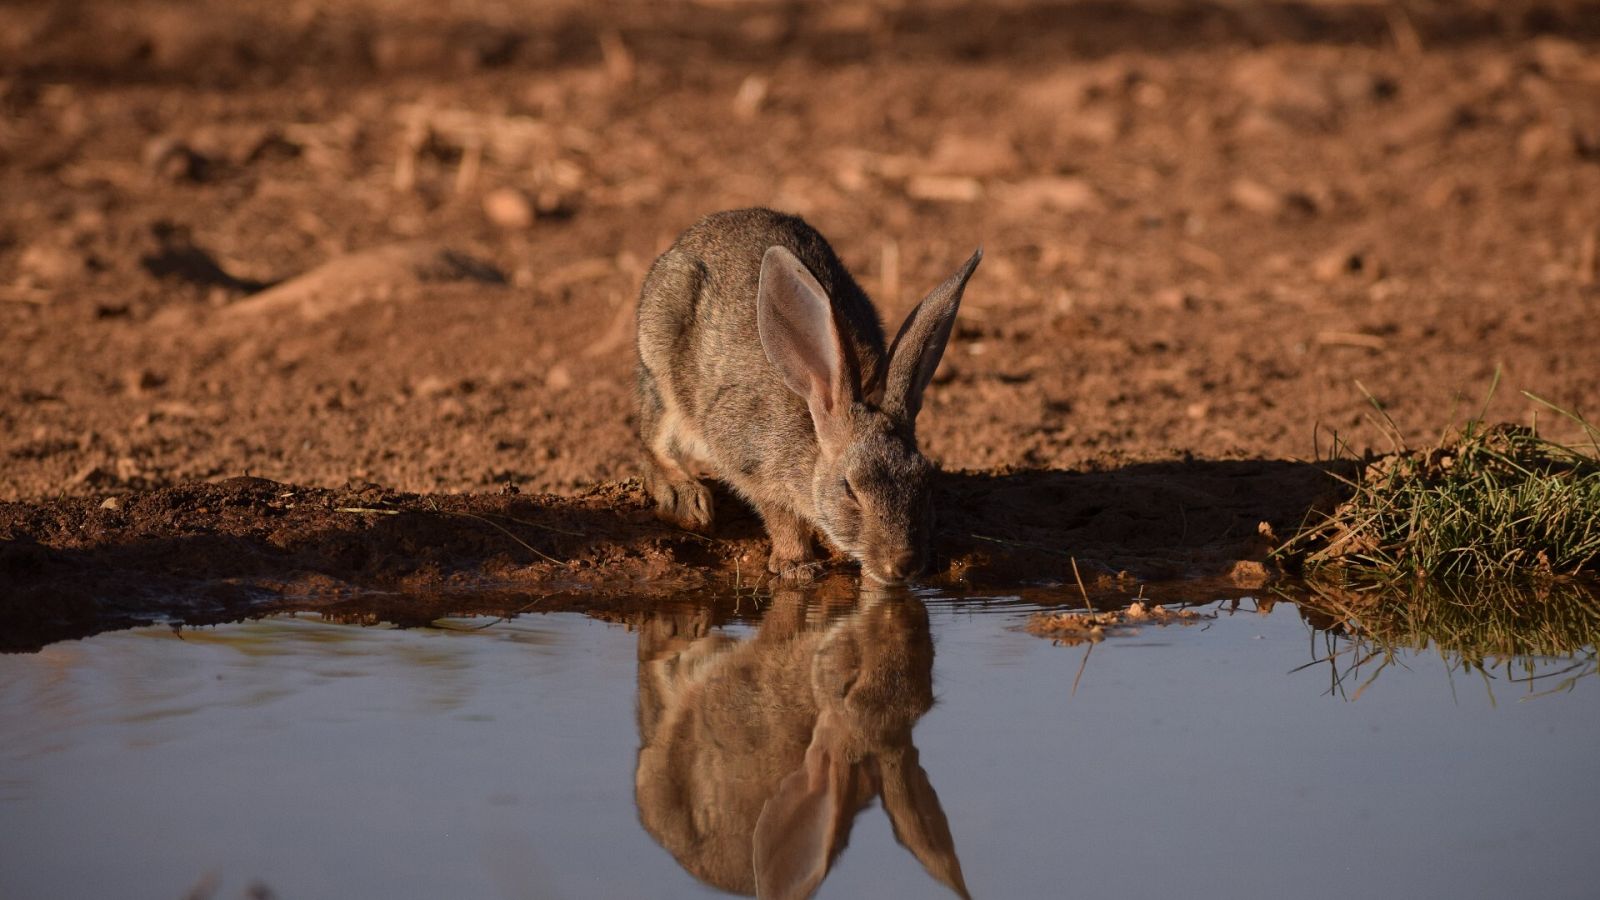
pixel 756 755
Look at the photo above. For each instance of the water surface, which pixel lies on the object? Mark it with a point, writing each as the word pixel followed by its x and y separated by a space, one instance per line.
pixel 502 758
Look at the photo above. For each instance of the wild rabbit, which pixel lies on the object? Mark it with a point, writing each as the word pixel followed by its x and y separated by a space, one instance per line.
pixel 756 756
pixel 762 361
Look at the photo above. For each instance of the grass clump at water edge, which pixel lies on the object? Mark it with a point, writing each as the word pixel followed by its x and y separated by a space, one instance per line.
pixel 1487 500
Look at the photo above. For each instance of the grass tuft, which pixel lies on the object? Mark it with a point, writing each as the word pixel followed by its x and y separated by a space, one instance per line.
pixel 1487 500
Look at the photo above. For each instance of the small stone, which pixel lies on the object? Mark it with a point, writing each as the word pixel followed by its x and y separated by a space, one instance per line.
pixel 1443 191
pixel 981 156
pixel 1343 263
pixel 170 159
pixel 1175 299
pixel 1536 142
pixel 1288 92
pixel 51 265
pixel 1100 127
pixel 452 408
pixel 112 503
pixel 555 203
pixel 141 381
pixel 1055 193
pixel 620 66
pixel 751 96
pixel 508 208
pixel 944 189
pixel 128 468
pixel 1558 57
pixel 1255 197
pixel 431 386
pixel 558 378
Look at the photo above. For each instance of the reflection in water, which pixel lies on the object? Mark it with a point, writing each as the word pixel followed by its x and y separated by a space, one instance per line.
pixel 756 755
pixel 1539 637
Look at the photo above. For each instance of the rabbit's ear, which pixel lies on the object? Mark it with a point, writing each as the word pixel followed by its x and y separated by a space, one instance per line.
pixel 918 819
pixel 799 827
pixel 920 343
pixel 795 319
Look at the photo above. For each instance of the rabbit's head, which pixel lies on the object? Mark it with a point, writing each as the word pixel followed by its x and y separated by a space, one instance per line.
pixel 870 486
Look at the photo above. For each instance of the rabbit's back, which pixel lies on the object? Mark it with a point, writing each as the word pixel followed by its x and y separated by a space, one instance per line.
pixel 721 255
pixel 699 339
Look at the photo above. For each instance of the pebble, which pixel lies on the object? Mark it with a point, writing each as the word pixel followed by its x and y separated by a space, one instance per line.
pixel 944 189
pixel 170 159
pixel 1251 195
pixel 558 378
pixel 50 265
pixel 508 208
pixel 1058 193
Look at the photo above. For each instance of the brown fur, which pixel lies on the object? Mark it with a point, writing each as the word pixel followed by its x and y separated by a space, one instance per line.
pixel 756 756
pixel 763 362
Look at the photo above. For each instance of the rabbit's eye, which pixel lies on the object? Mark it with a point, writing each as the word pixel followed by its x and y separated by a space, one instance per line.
pixel 848 491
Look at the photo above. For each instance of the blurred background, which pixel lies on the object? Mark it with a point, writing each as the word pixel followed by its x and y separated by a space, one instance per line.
pixel 334 240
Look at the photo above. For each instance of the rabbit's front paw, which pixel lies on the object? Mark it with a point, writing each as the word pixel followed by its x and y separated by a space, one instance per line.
pixel 796 570
pixel 686 504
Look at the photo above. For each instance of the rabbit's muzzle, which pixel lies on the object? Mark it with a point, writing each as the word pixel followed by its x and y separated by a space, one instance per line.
pixel 894 569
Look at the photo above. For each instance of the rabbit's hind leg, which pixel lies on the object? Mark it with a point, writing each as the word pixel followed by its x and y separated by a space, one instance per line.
pixel 680 498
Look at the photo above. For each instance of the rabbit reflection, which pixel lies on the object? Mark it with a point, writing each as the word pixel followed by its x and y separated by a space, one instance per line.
pixel 756 756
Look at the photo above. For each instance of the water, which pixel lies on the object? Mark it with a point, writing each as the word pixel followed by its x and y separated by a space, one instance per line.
pixel 313 759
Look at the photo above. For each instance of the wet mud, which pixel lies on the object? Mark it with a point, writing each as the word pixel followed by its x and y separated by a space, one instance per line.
pixel 243 546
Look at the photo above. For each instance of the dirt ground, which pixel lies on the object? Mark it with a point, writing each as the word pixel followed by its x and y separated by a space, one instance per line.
pixel 370 249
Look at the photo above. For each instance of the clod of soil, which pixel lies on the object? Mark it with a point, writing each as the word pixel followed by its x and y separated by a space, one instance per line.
pixel 1081 626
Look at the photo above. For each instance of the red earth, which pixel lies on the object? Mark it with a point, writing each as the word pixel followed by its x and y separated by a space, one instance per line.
pixel 269 264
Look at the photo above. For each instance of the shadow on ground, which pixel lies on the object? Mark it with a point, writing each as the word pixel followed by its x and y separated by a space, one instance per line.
pixel 206 552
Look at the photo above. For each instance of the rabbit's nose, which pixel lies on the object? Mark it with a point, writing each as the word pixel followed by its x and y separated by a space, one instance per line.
pixel 900 567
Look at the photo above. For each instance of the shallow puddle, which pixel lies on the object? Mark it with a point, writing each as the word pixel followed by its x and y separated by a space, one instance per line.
pixel 562 756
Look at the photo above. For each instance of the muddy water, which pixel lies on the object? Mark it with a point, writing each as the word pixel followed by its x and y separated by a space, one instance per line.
pixel 884 746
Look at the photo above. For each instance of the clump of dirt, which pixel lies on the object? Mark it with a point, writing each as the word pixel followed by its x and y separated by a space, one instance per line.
pixel 1074 627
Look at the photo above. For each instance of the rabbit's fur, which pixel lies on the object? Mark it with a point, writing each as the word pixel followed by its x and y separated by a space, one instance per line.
pixel 756 756
pixel 762 361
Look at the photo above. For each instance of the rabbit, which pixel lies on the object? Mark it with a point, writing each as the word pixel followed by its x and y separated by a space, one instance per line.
pixel 756 756
pixel 761 360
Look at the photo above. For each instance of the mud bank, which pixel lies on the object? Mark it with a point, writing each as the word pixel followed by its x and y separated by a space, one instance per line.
pixel 244 546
